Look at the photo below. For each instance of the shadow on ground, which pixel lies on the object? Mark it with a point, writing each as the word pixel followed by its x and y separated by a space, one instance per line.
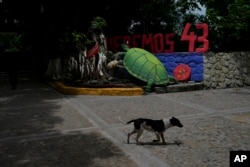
pixel 28 137
pixel 28 109
pixel 177 143
pixel 64 151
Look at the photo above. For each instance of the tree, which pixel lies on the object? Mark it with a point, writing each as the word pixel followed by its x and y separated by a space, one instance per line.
pixel 86 58
pixel 229 24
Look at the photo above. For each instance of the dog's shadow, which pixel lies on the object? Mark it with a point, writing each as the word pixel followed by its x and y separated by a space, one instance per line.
pixel 177 143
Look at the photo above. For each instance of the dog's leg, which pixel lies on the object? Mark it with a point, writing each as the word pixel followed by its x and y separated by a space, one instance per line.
pixel 157 136
pixel 129 134
pixel 163 139
pixel 139 133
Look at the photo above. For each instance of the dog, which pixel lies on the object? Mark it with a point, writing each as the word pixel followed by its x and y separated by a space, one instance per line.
pixel 156 126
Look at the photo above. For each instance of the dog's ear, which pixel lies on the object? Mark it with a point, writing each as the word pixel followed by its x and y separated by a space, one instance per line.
pixel 173 117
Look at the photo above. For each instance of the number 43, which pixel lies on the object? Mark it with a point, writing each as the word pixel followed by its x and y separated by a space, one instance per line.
pixel 192 37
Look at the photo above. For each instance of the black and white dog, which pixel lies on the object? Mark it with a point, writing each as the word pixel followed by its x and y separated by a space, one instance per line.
pixel 156 126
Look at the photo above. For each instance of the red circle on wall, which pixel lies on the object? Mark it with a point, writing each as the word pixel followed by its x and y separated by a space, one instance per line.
pixel 182 72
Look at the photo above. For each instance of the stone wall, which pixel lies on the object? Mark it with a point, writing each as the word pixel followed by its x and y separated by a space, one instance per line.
pixel 215 70
pixel 223 70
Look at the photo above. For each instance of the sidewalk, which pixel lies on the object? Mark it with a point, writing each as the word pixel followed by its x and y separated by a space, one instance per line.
pixel 41 127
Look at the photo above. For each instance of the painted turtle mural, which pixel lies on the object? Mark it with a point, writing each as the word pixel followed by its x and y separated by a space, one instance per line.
pixel 145 66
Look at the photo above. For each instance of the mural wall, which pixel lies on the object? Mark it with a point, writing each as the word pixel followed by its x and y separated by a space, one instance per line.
pixel 215 70
pixel 185 66
pixel 193 60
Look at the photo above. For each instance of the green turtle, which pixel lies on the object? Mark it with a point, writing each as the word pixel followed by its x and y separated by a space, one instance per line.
pixel 146 67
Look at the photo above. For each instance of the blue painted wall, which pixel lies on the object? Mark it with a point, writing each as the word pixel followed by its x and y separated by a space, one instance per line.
pixel 193 60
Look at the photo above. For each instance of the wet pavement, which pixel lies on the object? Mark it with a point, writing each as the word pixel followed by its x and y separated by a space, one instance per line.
pixel 42 127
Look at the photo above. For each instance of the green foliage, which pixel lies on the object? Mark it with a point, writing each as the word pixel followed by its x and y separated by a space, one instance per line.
pixel 79 39
pixel 11 42
pixel 159 9
pixel 175 13
pixel 185 5
pixel 229 24
pixel 72 41
pixel 228 20
pixel 98 24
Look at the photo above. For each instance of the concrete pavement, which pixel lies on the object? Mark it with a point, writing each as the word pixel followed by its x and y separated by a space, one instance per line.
pixel 41 127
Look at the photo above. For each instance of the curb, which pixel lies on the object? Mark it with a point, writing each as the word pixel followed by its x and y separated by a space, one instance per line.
pixel 62 88
pixel 180 87
pixel 184 87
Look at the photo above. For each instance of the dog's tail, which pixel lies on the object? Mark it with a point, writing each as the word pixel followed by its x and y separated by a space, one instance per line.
pixel 130 121
pixel 124 121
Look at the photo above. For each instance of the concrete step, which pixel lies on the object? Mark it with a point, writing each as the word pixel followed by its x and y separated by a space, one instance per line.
pixel 180 87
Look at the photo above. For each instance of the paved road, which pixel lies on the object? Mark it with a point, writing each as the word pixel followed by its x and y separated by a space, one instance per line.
pixel 41 127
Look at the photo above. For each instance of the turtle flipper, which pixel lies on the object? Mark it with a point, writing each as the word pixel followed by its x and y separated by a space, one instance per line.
pixel 172 79
pixel 149 85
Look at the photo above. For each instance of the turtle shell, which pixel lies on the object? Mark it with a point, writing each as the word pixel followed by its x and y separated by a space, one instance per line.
pixel 145 66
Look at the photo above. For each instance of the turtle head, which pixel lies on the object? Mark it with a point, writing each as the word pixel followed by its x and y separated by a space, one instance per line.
pixel 124 47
